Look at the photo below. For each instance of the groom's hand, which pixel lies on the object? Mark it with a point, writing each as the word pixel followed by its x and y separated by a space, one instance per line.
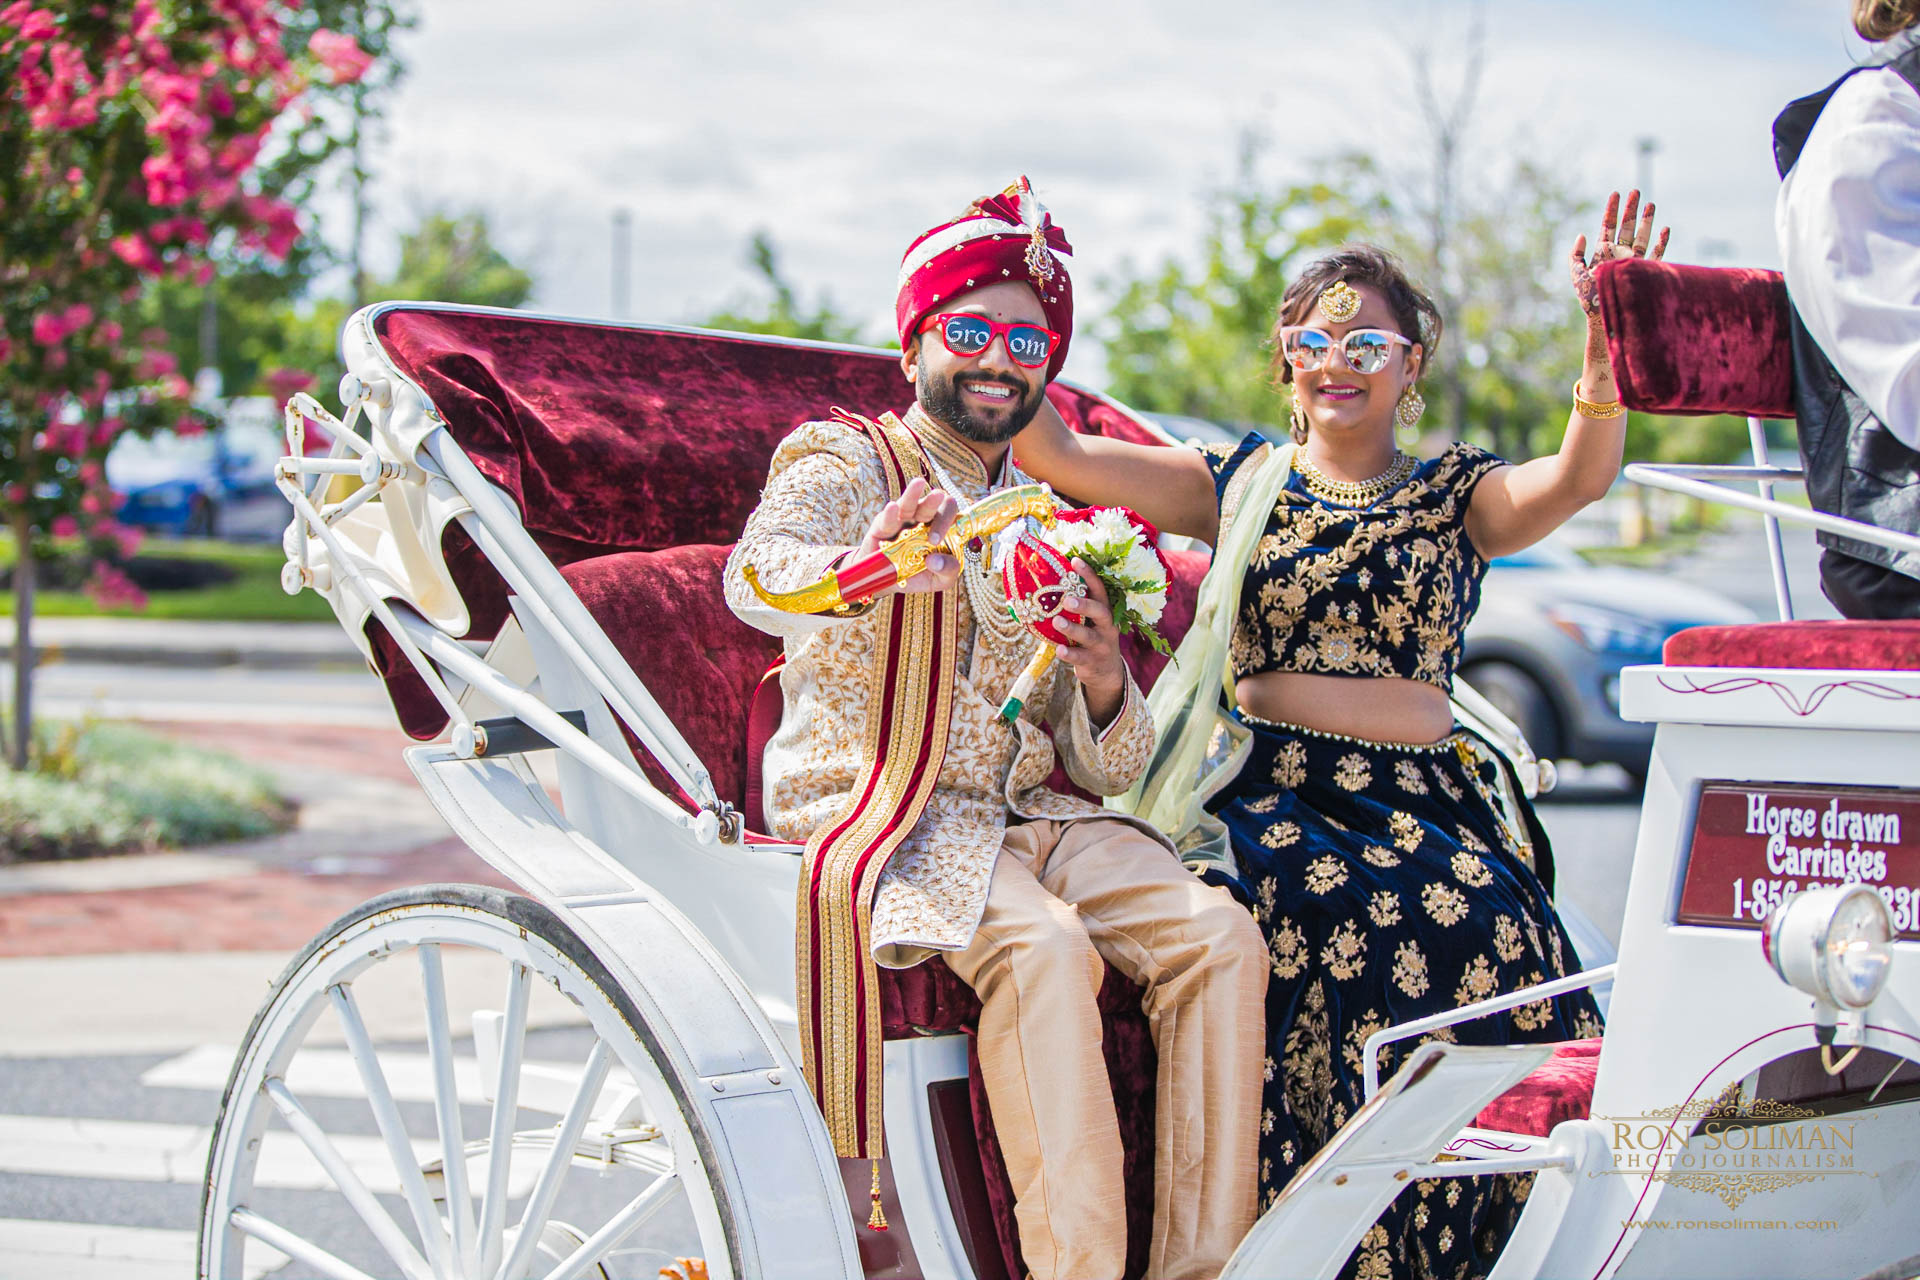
pixel 917 504
pixel 1093 649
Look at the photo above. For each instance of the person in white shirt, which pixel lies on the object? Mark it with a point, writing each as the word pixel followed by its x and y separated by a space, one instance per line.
pixel 1848 222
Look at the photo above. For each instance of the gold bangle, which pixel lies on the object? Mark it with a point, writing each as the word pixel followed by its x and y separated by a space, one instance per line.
pixel 1590 409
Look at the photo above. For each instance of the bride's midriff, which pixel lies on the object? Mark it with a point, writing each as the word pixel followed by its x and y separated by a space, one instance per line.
pixel 1377 708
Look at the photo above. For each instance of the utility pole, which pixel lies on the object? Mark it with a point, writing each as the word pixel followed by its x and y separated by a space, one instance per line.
pixel 622 261
pixel 1645 148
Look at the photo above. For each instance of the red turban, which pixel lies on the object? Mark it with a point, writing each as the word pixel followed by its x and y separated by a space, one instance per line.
pixel 1010 236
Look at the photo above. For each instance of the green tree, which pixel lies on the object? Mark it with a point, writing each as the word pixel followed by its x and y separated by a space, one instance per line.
pixel 1181 339
pixel 782 313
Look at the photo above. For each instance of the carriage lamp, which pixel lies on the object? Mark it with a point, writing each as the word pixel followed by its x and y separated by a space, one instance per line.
pixel 1835 944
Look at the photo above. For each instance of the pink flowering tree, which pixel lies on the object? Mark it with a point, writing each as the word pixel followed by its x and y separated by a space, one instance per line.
pixel 132 137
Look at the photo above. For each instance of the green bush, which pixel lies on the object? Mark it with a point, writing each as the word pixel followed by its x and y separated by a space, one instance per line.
pixel 104 788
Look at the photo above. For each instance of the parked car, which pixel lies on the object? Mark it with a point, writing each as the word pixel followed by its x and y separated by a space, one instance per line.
pixel 1553 634
pixel 215 485
pixel 1198 432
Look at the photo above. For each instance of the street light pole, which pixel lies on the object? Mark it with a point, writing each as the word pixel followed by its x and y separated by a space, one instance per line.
pixel 622 260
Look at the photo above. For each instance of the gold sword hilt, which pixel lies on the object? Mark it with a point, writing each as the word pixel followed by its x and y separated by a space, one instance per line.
pixel 907 553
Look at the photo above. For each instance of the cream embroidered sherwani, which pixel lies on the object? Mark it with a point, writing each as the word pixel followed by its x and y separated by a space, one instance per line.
pixel 1027 894
pixel 824 488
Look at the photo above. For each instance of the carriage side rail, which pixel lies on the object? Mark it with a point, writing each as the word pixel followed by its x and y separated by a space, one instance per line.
pixel 1370 1073
pixel 491 519
pixel 1709 483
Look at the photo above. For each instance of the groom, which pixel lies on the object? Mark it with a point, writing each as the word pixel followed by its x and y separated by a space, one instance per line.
pixel 929 830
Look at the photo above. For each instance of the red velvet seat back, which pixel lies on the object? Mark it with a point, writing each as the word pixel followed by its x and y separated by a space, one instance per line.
pixel 616 438
pixel 1698 340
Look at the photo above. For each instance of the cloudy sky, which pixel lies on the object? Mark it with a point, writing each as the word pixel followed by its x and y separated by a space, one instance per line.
pixel 844 129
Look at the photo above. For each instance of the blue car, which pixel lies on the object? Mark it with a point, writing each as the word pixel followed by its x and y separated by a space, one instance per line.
pixel 215 485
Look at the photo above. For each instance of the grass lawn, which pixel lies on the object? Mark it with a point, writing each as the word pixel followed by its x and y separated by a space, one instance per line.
pixel 99 788
pixel 250 592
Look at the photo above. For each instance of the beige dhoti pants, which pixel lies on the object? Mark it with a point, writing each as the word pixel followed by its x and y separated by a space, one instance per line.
pixel 1064 897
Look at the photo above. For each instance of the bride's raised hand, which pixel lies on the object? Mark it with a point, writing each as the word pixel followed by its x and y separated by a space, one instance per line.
pixel 1620 237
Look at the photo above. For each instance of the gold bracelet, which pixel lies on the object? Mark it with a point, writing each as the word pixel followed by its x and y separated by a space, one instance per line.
pixel 1589 409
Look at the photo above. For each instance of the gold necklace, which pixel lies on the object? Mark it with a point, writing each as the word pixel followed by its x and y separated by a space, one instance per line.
pixel 979 577
pixel 1354 493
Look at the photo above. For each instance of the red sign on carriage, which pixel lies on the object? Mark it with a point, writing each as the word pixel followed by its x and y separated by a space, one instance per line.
pixel 1755 843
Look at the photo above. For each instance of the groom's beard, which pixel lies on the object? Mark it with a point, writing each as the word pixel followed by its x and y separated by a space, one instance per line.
pixel 940 398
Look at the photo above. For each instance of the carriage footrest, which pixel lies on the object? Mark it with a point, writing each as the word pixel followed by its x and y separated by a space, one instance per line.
pixel 512 736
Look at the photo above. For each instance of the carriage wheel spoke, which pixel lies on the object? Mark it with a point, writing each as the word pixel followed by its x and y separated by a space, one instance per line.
pixel 297 1247
pixel 361 1200
pixel 540 1203
pixel 617 1228
pixel 392 1128
pixel 506 1102
pixel 446 1099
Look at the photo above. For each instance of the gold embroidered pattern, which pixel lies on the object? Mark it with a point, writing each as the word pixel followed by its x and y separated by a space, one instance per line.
pixel 1288 946
pixel 1410 969
pixel 1380 856
pixel 1468 869
pixel 1290 766
pixel 1345 954
pixel 1446 904
pixel 1384 910
pixel 1406 830
pixel 1325 874
pixel 1353 772
pixel 1280 835
pixel 1506 939
pixel 1477 981
pixel 1407 774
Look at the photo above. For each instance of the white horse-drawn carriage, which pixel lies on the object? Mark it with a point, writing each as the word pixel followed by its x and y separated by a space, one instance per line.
pixel 523 524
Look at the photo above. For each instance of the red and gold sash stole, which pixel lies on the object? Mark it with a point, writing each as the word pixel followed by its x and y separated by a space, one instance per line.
pixel 910 693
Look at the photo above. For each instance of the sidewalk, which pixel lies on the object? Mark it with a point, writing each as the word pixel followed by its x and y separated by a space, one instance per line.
pixel 152 951
pixel 167 642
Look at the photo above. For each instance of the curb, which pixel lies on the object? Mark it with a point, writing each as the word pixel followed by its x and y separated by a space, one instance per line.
pixel 160 642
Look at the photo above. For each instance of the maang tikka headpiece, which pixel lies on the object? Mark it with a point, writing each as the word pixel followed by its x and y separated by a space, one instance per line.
pixel 1339 302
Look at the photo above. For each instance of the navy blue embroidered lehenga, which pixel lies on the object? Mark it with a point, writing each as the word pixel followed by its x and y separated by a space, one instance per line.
pixel 1387 878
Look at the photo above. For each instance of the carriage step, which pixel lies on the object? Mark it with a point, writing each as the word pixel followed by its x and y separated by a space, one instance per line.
pixel 512 736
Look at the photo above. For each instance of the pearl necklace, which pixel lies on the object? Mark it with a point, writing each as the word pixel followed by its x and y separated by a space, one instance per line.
pixel 1353 493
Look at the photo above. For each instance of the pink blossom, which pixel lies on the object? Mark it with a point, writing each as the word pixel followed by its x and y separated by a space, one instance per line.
pixel 92 504
pixel 134 250
pixel 66 527
pixel 155 362
pixel 187 426
pixel 110 332
pixel 48 328
pixel 111 588
pixel 78 317
pixel 126 538
pixel 38 24
pixel 338 53
pixel 283 382
pixel 6 348
pixel 174 387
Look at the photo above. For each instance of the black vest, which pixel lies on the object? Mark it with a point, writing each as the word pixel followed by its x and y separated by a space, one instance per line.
pixel 1855 467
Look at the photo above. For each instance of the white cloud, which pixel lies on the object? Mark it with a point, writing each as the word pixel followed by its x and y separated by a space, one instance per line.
pixel 844 129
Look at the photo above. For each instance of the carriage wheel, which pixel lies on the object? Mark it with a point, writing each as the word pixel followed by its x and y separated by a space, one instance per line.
pixel 512 1123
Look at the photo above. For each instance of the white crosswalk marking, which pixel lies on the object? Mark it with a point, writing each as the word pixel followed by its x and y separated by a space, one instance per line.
pixel 89 1251
pixel 140 1151
pixel 330 1073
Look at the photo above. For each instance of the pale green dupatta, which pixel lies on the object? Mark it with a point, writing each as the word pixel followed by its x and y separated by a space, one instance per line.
pixel 1198 745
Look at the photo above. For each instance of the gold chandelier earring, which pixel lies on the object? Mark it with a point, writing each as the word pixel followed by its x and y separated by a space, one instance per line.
pixel 1407 412
pixel 1299 427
